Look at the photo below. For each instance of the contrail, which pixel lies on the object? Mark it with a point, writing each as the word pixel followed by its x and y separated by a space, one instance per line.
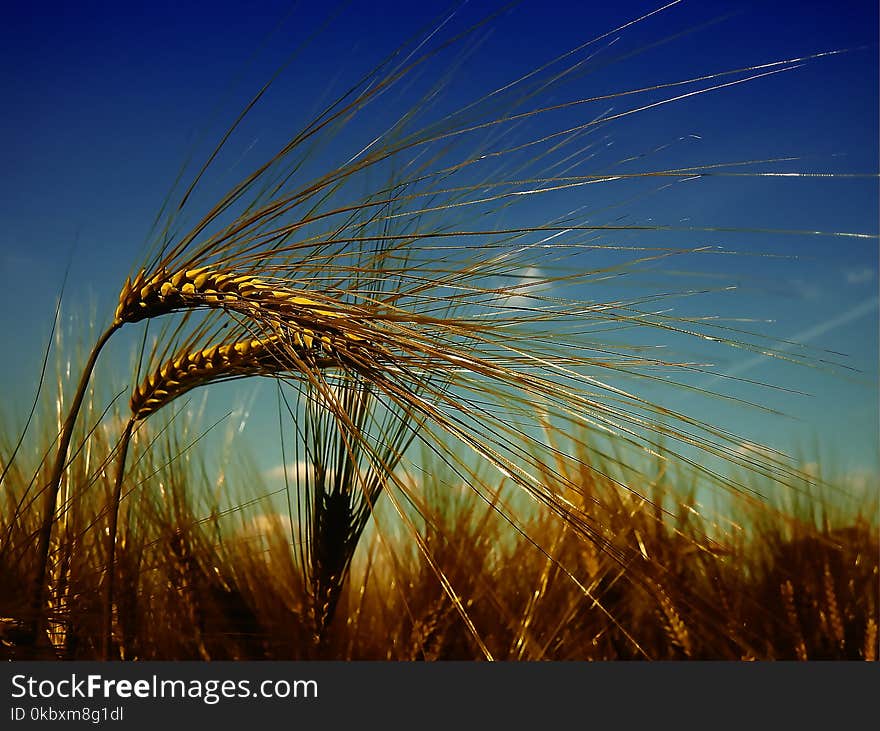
pixel 860 310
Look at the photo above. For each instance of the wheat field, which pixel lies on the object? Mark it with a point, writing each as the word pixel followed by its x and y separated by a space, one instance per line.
pixel 451 352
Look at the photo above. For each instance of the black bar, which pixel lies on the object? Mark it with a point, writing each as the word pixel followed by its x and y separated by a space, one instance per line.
pixel 459 694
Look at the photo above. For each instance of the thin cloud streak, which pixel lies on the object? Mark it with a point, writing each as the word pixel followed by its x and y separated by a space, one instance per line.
pixel 860 310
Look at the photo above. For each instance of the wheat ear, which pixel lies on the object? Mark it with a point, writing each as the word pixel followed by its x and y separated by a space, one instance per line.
pixel 163 292
pixel 249 357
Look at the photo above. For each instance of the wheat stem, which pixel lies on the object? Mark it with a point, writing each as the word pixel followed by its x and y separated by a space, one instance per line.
pixel 111 539
pixel 45 535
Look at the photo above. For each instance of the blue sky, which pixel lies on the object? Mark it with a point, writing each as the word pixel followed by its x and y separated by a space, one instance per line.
pixel 103 103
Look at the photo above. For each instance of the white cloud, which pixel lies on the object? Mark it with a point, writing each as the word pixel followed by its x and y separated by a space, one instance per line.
pixel 862 481
pixel 526 284
pixel 860 276
pixel 806 290
pixel 295 471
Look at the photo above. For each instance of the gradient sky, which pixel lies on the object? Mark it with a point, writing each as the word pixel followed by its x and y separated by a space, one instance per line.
pixel 103 103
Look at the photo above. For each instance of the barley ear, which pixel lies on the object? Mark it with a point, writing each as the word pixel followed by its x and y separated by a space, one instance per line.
pixel 163 292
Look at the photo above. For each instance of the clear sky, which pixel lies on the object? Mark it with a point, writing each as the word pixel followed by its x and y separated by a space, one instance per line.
pixel 103 103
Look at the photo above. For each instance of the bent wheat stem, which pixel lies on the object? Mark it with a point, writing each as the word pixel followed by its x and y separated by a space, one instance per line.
pixel 45 536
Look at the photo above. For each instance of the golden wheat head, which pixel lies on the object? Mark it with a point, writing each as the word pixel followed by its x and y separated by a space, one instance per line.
pixel 164 292
pixel 271 356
